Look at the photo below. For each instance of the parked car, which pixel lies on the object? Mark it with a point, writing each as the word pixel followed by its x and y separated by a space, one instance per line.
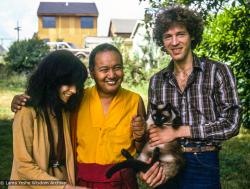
pixel 80 53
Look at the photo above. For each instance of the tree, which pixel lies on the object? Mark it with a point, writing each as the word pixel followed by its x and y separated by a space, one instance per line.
pixel 204 7
pixel 227 36
pixel 24 55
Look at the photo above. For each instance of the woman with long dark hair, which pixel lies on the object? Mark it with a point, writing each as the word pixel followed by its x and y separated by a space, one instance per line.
pixel 42 148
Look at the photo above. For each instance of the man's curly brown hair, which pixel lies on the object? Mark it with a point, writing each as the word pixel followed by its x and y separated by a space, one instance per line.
pixel 190 19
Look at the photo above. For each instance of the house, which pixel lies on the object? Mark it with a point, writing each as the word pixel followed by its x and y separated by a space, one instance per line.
pixel 92 42
pixel 143 44
pixel 139 37
pixel 67 21
pixel 118 28
pixel 121 27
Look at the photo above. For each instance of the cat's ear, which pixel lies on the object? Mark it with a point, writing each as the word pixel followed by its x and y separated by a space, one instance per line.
pixel 168 107
pixel 161 107
pixel 153 106
pixel 173 114
pixel 177 113
pixel 149 121
pixel 177 122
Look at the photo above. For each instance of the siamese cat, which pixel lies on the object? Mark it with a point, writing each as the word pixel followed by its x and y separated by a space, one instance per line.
pixel 169 154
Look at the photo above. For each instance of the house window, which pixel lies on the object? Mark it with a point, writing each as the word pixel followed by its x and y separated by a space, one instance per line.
pixel 49 21
pixel 87 22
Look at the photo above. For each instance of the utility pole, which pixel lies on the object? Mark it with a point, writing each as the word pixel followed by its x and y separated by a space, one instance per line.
pixel 18 28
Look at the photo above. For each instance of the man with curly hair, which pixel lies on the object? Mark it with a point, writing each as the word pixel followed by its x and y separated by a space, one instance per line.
pixel 202 91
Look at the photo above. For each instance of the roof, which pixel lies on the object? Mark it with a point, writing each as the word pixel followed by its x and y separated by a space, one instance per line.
pixel 67 8
pixel 138 24
pixel 123 25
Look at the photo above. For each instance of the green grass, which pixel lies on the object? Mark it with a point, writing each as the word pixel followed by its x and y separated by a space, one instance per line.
pixel 10 85
pixel 235 162
pixel 234 156
pixel 6 149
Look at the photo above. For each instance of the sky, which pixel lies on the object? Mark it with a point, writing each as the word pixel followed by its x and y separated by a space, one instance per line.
pixel 25 13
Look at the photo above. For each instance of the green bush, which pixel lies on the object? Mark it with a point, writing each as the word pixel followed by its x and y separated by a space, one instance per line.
pixel 138 70
pixel 24 55
pixel 227 39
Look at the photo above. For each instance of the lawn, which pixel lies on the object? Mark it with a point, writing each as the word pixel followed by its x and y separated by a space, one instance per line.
pixel 234 156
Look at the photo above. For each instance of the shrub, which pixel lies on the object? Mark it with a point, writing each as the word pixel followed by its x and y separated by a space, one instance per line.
pixel 227 36
pixel 24 55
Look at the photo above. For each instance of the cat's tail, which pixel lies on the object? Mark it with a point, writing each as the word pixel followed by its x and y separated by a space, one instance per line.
pixel 134 164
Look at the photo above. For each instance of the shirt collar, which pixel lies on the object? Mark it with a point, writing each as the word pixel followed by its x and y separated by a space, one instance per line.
pixel 198 64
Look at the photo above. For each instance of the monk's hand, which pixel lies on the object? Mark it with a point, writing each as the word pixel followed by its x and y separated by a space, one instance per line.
pixel 138 125
pixel 18 101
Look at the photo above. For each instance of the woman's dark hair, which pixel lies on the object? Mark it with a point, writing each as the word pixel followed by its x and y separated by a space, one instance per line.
pixel 191 20
pixel 56 69
pixel 102 48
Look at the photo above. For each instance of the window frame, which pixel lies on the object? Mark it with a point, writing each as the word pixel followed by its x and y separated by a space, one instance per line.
pixel 87 22
pixel 49 21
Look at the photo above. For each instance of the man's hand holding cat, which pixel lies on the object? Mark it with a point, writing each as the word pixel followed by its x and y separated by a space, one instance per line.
pixel 139 128
pixel 159 136
pixel 154 176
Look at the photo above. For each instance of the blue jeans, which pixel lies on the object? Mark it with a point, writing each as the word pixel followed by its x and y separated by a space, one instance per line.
pixel 201 171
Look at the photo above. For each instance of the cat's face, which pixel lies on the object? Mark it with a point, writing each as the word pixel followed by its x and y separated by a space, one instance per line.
pixel 162 114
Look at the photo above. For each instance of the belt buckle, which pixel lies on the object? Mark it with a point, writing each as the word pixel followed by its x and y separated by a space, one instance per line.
pixel 199 149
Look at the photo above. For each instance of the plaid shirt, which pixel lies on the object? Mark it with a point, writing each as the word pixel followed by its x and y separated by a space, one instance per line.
pixel 209 103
